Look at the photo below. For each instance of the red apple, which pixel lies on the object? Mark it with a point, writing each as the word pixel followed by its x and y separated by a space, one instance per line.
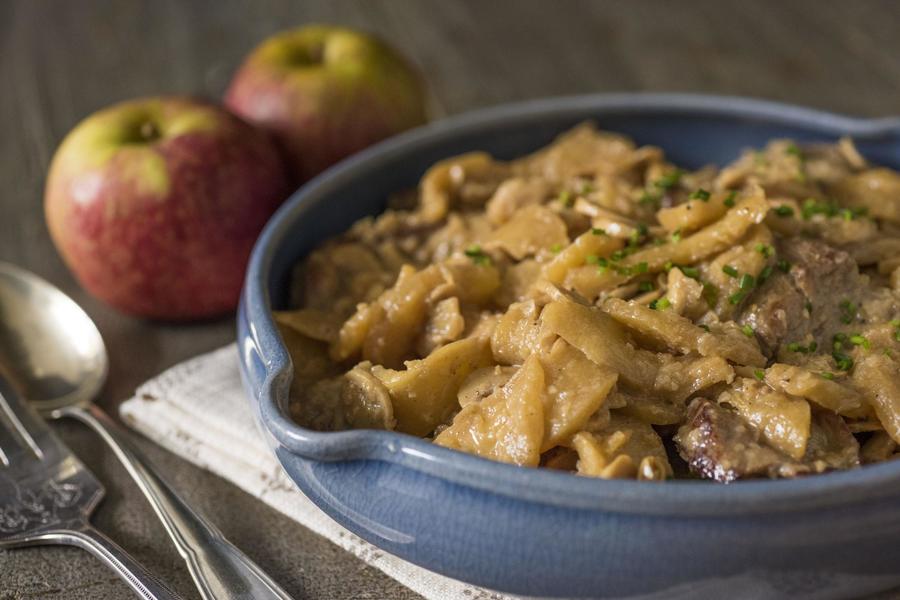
pixel 326 92
pixel 155 204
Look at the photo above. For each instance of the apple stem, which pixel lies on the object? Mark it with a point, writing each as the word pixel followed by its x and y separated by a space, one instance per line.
pixel 149 131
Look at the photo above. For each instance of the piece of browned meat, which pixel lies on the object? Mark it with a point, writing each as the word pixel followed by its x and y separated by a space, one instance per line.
pixel 818 295
pixel 831 445
pixel 718 444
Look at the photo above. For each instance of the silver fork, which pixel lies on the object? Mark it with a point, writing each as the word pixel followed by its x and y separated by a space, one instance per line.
pixel 47 495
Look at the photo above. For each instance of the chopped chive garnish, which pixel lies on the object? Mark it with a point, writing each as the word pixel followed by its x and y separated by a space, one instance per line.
pixel 809 208
pixel 598 231
pixel 668 266
pixel 701 195
pixel 837 342
pixel 729 200
pixel 737 297
pixel 794 150
pixel 566 198
pixel 798 347
pixel 747 282
pixel 812 207
pixel 592 259
pixel 676 235
pixel 808 306
pixel 850 214
pixel 704 327
pixel 730 271
pixel 765 249
pixel 586 188
pixel 827 375
pixel 692 272
pixel 669 180
pixel 765 273
pixel 783 265
pixel 747 330
pixel 618 255
pixel 844 362
pixel 477 255
pixel 784 211
pixel 710 293
pixel 660 304
pixel 848 311
pixel 641 267
pixel 759 374
pixel 645 286
pixel 860 340
pixel 635 237
pixel 556 248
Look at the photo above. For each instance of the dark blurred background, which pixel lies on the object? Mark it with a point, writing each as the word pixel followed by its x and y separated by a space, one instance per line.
pixel 60 61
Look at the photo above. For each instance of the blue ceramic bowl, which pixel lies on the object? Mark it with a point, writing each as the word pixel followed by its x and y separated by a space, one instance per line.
pixel 540 532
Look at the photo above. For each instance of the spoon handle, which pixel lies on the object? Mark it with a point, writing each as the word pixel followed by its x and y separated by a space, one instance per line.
pixel 220 570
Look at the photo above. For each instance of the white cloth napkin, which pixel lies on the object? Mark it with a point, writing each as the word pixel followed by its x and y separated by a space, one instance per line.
pixel 198 410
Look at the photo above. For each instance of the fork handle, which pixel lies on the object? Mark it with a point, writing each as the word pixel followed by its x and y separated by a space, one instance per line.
pixel 220 570
pixel 138 578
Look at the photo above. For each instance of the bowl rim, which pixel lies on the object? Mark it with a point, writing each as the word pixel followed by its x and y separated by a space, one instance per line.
pixel 676 497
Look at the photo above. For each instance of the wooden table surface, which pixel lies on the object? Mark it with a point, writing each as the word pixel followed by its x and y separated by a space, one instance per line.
pixel 60 61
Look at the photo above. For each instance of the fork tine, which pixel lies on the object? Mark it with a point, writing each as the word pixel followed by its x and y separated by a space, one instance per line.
pixel 26 422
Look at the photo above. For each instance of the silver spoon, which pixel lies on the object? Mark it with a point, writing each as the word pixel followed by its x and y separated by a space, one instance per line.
pixel 52 348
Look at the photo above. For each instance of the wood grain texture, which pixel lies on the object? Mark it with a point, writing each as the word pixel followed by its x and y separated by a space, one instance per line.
pixel 59 61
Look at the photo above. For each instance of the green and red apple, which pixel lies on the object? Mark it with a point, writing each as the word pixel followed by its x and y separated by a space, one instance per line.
pixel 155 205
pixel 326 92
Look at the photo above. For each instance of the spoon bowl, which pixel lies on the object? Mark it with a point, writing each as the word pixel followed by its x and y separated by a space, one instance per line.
pixel 49 347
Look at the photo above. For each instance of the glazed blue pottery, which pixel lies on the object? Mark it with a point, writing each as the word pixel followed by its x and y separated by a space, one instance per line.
pixel 544 533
